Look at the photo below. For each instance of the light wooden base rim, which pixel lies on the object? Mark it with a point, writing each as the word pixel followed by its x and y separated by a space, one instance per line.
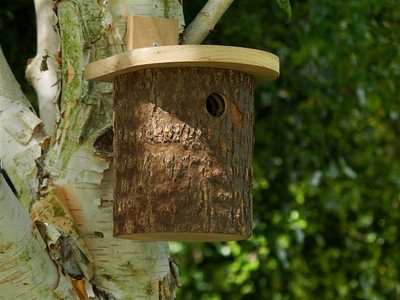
pixel 262 65
pixel 183 236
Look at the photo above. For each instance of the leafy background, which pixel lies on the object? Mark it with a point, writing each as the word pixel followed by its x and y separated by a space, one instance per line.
pixel 327 156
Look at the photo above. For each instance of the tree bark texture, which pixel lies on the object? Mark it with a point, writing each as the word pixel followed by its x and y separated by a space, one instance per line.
pixel 183 154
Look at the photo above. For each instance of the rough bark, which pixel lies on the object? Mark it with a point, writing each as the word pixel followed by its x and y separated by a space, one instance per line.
pixel 67 190
pixel 78 171
pixel 180 172
pixel 23 250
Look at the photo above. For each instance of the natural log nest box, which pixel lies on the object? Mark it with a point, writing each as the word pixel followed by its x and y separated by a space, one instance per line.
pixel 183 136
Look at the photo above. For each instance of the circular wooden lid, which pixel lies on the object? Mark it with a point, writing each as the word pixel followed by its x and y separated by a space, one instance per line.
pixel 262 65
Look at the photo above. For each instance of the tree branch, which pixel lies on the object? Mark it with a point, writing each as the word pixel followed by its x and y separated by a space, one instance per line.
pixel 78 174
pixel 21 143
pixel 205 21
pixel 26 269
pixel 21 136
pixel 41 72
pixel 77 178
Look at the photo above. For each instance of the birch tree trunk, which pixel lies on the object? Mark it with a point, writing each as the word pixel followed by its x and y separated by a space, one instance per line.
pixel 72 208
pixel 56 239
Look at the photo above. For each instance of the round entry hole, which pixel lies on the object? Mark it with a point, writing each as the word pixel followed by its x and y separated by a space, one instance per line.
pixel 215 104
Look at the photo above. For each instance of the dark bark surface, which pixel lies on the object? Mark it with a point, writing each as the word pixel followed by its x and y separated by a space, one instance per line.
pixel 181 173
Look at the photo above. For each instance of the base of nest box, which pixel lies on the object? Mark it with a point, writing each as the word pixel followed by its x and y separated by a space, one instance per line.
pixel 183 236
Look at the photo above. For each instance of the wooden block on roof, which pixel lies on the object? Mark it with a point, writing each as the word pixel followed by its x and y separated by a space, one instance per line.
pixel 145 31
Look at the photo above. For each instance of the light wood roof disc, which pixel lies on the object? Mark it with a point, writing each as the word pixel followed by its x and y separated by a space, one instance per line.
pixel 262 65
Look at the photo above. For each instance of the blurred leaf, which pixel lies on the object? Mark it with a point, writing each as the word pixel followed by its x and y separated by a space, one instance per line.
pixel 285 5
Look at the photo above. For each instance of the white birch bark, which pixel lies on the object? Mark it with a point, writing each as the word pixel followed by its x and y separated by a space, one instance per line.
pixel 21 137
pixel 67 190
pixel 123 269
pixel 41 72
pixel 26 270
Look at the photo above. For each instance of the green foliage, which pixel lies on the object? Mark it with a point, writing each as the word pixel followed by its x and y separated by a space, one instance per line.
pixel 326 161
pixel 285 5
pixel 18 39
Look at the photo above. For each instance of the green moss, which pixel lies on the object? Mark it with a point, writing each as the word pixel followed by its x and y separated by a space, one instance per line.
pixel 166 9
pixel 4 246
pixel 58 210
pixel 149 288
pixel 72 53
pixel 75 227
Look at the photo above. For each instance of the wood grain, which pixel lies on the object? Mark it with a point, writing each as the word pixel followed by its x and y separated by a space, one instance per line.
pixel 263 66
pixel 145 31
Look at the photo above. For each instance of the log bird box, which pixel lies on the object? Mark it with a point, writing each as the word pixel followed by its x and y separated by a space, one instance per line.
pixel 183 134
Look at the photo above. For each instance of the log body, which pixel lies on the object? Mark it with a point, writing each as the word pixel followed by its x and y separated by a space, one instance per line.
pixel 183 143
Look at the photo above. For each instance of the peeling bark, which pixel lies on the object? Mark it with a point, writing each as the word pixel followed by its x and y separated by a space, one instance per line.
pixel 26 269
pixel 21 137
pixel 123 269
pixel 42 71
pixel 65 184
